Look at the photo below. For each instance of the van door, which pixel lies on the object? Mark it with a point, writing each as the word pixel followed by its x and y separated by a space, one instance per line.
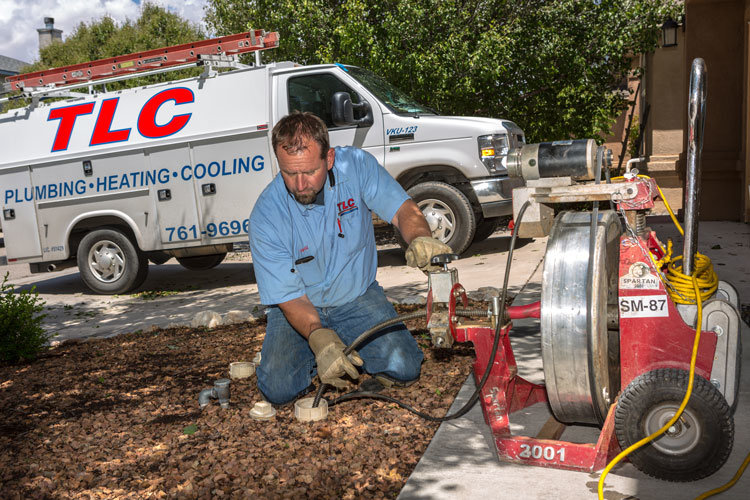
pixel 308 91
pixel 20 226
pixel 230 174
pixel 177 209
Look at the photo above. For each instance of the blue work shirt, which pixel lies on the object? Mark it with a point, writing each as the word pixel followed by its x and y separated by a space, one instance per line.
pixel 285 233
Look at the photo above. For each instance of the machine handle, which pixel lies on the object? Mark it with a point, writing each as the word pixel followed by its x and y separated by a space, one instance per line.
pixel 444 259
pixel 696 123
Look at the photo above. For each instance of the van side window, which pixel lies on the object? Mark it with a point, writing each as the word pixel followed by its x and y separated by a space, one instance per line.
pixel 313 93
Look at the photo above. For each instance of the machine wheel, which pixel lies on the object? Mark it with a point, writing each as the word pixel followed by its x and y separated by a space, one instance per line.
pixel 201 262
pixel 448 213
pixel 109 263
pixel 485 228
pixel 696 446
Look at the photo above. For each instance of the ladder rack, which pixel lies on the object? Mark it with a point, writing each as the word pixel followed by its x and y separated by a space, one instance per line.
pixel 137 62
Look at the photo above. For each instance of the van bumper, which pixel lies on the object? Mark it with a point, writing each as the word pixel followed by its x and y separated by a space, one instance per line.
pixel 495 195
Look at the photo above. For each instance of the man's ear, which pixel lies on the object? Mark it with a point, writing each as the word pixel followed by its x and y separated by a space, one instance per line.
pixel 330 158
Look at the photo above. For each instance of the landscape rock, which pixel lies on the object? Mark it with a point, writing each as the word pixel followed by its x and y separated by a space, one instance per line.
pixel 484 293
pixel 412 299
pixel 236 316
pixel 206 319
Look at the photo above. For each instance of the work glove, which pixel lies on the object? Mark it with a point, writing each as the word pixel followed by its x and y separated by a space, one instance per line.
pixel 422 250
pixel 329 354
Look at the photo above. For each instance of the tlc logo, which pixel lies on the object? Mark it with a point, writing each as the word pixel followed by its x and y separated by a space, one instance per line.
pixel 346 206
pixel 103 133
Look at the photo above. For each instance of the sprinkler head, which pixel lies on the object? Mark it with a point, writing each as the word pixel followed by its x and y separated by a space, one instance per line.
pixel 262 410
pixel 304 411
pixel 241 369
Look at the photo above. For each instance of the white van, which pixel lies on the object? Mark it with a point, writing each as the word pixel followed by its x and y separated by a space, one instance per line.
pixel 110 180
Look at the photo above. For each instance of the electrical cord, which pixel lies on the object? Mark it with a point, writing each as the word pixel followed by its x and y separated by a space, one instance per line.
pixel 691 376
pixel 475 396
pixel 725 487
pixel 703 284
pixel 679 285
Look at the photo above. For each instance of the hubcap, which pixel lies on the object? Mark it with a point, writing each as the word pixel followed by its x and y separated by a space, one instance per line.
pixel 681 437
pixel 440 218
pixel 106 261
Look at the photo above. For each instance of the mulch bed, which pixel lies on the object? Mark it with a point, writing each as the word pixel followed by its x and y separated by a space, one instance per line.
pixel 112 418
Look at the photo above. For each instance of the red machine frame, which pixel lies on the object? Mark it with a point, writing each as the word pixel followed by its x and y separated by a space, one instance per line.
pixel 646 343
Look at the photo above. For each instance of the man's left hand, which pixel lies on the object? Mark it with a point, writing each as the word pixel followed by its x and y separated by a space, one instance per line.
pixel 422 250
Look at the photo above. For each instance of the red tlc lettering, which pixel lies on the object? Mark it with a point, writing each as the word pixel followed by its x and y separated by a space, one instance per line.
pixel 102 133
pixel 344 205
pixel 147 125
pixel 67 116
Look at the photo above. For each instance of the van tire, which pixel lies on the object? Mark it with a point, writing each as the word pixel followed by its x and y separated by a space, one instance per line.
pixel 485 228
pixel 110 263
pixel 201 262
pixel 441 203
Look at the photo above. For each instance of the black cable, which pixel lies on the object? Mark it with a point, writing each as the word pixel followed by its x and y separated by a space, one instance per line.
pixel 475 396
pixel 385 324
pixel 364 336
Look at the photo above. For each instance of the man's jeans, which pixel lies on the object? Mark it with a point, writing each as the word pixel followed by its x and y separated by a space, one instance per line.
pixel 288 365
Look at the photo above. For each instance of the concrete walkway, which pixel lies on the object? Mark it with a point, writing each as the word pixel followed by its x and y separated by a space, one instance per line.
pixel 173 296
pixel 461 461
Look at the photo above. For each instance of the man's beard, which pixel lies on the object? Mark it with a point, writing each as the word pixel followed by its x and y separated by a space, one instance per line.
pixel 305 198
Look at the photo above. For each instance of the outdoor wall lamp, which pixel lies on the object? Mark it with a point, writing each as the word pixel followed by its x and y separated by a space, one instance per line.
pixel 669 33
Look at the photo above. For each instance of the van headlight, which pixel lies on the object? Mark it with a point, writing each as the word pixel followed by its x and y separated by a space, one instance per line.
pixel 492 149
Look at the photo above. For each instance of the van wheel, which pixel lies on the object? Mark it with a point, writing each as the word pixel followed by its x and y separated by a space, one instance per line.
pixel 448 213
pixel 485 228
pixel 201 262
pixel 109 263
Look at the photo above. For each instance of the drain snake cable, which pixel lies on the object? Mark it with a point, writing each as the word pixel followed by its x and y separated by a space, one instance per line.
pixel 682 289
pixel 465 312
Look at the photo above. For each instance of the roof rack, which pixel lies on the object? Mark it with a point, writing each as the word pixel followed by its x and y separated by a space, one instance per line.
pixel 162 59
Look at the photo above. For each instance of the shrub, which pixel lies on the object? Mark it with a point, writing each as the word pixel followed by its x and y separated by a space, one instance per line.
pixel 21 332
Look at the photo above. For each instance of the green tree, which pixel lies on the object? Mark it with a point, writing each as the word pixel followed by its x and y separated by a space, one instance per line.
pixel 550 65
pixel 156 27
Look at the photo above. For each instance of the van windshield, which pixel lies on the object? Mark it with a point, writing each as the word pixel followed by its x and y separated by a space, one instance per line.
pixel 397 100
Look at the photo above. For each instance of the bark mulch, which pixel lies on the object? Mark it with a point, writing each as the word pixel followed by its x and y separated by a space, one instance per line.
pixel 119 418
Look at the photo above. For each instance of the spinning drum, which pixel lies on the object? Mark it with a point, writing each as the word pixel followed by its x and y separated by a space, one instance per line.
pixel 580 354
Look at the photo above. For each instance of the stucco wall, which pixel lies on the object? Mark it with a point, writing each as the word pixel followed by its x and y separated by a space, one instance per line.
pixel 666 93
pixel 715 31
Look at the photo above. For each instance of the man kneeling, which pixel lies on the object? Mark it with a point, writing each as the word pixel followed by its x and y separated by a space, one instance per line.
pixel 314 256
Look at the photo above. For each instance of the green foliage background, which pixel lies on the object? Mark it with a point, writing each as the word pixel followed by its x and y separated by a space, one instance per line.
pixel 550 65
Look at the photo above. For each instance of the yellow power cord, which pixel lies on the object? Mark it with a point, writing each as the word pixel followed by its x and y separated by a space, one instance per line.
pixel 648 439
pixel 701 285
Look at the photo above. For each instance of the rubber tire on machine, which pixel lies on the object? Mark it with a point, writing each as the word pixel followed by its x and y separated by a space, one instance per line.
pixel 663 390
pixel 135 269
pixel 450 200
pixel 201 262
pixel 485 227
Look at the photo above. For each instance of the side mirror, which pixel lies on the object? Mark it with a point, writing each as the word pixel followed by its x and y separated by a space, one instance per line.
pixel 342 111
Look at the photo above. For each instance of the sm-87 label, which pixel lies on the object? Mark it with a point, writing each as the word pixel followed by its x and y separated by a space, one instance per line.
pixel 644 306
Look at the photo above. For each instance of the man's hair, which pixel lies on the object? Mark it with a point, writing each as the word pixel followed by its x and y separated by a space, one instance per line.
pixel 293 131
